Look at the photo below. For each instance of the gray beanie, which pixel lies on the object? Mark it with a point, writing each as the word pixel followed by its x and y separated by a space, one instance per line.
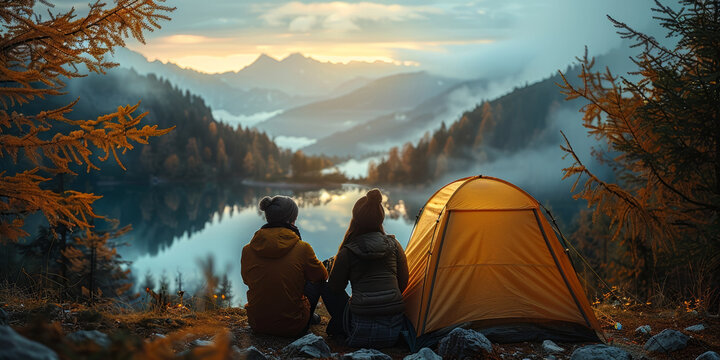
pixel 279 209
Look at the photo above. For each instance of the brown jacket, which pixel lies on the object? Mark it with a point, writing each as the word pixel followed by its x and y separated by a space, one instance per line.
pixel 275 265
pixel 376 267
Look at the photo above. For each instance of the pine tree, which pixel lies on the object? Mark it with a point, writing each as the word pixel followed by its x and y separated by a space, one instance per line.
pixel 225 292
pixel 148 282
pixel 35 56
pixel 663 134
pixel 96 263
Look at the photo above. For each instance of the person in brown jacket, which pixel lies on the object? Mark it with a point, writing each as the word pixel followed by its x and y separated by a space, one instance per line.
pixel 277 266
pixel 375 265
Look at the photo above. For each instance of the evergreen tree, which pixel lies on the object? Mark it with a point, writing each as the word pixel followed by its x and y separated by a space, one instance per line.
pixel 662 132
pixel 148 282
pixel 225 291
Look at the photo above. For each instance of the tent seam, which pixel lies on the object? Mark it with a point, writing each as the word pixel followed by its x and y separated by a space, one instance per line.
pixel 562 273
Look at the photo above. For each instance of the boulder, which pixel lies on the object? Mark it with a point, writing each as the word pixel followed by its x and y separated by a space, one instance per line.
pixel 14 346
pixel 4 318
pixel 695 328
pixel 250 353
pixel 464 343
pixel 551 347
pixel 365 354
pixel 310 345
pixel 600 352
pixel 200 343
pixel 709 355
pixel 644 330
pixel 423 354
pixel 92 336
pixel 667 341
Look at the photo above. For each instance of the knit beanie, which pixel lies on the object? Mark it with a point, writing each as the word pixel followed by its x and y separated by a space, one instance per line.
pixel 279 209
pixel 368 212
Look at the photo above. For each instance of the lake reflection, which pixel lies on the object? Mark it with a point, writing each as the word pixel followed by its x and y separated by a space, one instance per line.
pixel 176 226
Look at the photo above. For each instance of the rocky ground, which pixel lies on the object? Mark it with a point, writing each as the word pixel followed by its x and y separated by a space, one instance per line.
pixel 70 331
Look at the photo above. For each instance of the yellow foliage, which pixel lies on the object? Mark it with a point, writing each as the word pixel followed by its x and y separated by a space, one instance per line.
pixel 35 55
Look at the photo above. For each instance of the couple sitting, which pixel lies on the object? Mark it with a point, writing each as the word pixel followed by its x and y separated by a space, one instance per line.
pixel 285 279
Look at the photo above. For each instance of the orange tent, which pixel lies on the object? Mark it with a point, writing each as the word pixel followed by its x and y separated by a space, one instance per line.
pixel 482 252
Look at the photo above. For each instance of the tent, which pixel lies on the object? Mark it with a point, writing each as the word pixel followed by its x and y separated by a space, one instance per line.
pixel 482 252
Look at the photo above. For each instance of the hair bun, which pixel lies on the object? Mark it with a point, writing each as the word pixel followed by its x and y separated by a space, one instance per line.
pixel 374 196
pixel 265 203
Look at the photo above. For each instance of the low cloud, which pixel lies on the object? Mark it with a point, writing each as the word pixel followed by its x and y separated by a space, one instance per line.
pixel 340 16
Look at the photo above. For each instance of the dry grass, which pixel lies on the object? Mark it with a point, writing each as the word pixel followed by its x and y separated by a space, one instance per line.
pixel 164 335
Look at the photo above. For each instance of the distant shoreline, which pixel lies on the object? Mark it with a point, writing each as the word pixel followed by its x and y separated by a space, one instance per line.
pixel 290 185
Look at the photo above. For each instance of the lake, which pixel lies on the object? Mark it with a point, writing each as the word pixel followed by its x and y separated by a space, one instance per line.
pixel 176 226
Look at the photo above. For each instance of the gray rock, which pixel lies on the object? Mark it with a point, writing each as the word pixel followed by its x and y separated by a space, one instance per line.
pixel 199 342
pixel 551 347
pixel 666 341
pixel 550 357
pixel 14 346
pixel 709 355
pixel 645 329
pixel 423 354
pixel 309 345
pixel 96 337
pixel 461 343
pixel 366 354
pixel 695 328
pixel 251 353
pixel 600 352
pixel 4 318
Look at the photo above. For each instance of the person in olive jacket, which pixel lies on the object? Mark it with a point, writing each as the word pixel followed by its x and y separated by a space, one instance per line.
pixel 278 268
pixel 375 265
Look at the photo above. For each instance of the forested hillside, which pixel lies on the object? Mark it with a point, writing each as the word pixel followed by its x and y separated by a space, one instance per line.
pixel 504 125
pixel 198 148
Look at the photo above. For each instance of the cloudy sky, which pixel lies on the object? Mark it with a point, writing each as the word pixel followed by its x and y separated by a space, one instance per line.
pixel 471 37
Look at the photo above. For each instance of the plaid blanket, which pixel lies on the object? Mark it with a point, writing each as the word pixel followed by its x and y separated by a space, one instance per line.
pixel 372 331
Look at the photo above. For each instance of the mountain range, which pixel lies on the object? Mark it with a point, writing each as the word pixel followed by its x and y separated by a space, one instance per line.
pixel 267 84
pixel 389 94
pixel 391 129
pixel 300 75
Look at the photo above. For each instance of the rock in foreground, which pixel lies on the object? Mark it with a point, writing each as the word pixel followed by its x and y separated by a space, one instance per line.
pixel 464 343
pixel 551 347
pixel 709 355
pixel 644 329
pixel 366 354
pixel 4 318
pixel 93 336
pixel 695 328
pixel 667 341
pixel 310 345
pixel 600 352
pixel 423 354
pixel 251 353
pixel 14 346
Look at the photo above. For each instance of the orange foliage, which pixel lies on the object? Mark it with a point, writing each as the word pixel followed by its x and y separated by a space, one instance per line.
pixel 663 144
pixel 35 55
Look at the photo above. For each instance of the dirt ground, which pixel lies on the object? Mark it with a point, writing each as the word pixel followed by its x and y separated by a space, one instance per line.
pixel 169 333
